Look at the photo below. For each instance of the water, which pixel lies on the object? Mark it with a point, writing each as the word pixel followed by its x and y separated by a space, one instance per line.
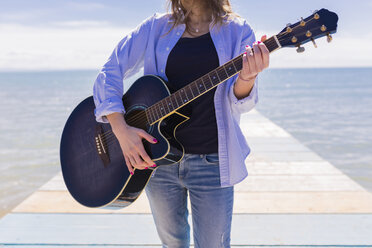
pixel 329 110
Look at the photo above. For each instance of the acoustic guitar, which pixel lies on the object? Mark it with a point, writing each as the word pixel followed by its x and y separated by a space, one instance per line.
pixel 92 161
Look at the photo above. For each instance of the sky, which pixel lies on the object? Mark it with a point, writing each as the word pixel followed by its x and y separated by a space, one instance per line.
pixel 67 34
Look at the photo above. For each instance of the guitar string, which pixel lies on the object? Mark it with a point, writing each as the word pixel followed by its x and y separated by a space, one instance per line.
pixel 140 118
pixel 271 41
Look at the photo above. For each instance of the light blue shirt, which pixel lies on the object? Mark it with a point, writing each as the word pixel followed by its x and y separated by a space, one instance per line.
pixel 148 47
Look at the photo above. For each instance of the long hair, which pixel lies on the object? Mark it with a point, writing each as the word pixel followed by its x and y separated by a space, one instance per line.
pixel 221 9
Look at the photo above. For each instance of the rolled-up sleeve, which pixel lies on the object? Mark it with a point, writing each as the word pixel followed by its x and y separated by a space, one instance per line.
pixel 247 103
pixel 126 59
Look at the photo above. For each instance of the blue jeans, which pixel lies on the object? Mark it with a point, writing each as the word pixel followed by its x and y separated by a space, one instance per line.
pixel 211 205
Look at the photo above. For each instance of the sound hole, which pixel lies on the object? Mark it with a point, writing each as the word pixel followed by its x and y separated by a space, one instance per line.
pixel 136 117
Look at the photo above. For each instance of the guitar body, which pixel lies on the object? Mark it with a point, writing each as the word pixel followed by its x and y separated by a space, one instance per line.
pixel 93 165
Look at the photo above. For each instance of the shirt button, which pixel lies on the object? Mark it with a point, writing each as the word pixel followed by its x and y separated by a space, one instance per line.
pixel 167 48
pixel 178 33
pixel 162 70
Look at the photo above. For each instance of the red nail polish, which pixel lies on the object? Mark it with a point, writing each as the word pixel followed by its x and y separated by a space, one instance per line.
pixel 131 173
pixel 259 42
pixel 155 140
pixel 146 168
pixel 154 165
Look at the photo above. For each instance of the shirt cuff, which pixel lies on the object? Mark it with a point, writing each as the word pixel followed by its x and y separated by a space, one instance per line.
pixel 110 105
pixel 247 103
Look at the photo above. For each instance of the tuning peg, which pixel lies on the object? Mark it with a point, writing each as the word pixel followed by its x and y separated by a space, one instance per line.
pixel 315 45
pixel 329 38
pixel 308 34
pixel 302 23
pixel 316 16
pixel 300 49
pixel 289 29
pixel 323 28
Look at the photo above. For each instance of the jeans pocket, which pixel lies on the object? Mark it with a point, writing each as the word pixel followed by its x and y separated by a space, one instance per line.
pixel 211 158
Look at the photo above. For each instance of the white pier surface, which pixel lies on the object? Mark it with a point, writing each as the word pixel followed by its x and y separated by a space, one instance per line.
pixel 291 198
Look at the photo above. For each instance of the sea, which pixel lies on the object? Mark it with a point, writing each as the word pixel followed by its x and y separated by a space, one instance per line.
pixel 329 110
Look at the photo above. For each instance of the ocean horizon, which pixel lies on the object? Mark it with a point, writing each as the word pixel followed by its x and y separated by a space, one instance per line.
pixel 326 109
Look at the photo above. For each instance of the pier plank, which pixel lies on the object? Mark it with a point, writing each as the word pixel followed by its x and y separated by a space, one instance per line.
pixel 247 229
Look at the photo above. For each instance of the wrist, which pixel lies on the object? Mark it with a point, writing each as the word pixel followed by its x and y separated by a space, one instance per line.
pixel 121 129
pixel 246 80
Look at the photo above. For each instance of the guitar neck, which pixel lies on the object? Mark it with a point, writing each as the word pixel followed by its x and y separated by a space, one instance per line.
pixel 200 86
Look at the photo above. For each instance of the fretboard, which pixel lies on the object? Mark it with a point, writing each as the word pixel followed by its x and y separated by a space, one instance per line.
pixel 200 86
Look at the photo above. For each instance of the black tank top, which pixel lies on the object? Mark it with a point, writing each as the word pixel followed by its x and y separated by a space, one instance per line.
pixel 190 59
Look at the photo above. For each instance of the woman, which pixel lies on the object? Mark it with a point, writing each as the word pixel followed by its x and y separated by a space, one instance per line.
pixel 195 38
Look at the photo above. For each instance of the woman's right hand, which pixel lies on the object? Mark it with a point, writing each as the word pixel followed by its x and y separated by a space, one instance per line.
pixel 130 140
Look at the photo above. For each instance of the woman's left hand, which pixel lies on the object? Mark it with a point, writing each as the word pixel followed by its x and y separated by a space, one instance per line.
pixel 255 60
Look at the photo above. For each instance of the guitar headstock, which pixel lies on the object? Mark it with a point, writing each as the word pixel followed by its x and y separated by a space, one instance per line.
pixel 321 23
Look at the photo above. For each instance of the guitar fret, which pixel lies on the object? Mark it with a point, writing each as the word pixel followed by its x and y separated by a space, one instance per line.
pixel 200 86
pixel 192 91
pixel 239 64
pixel 196 86
pixel 219 79
pixel 174 102
pixel 213 79
pixel 184 98
pixel 166 104
pixel 229 70
pixel 179 98
pixel 189 92
pixel 210 79
pixel 232 62
pixel 152 115
pixel 225 71
pixel 162 108
pixel 170 104
pixel 157 116
pixel 225 74
pixel 205 80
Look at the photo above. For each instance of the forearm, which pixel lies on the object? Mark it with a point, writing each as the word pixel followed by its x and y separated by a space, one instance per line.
pixel 243 88
pixel 117 122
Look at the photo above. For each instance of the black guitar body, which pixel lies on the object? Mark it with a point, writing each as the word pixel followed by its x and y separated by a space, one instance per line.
pixel 93 165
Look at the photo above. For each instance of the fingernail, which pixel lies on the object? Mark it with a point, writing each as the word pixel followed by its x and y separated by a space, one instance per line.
pixel 259 42
pixel 131 173
pixel 154 165
pixel 146 168
pixel 155 140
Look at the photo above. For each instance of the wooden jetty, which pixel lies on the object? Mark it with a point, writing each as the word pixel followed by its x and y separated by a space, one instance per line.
pixel 291 198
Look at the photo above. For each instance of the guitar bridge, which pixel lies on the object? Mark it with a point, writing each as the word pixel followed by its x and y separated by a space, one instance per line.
pixel 101 146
